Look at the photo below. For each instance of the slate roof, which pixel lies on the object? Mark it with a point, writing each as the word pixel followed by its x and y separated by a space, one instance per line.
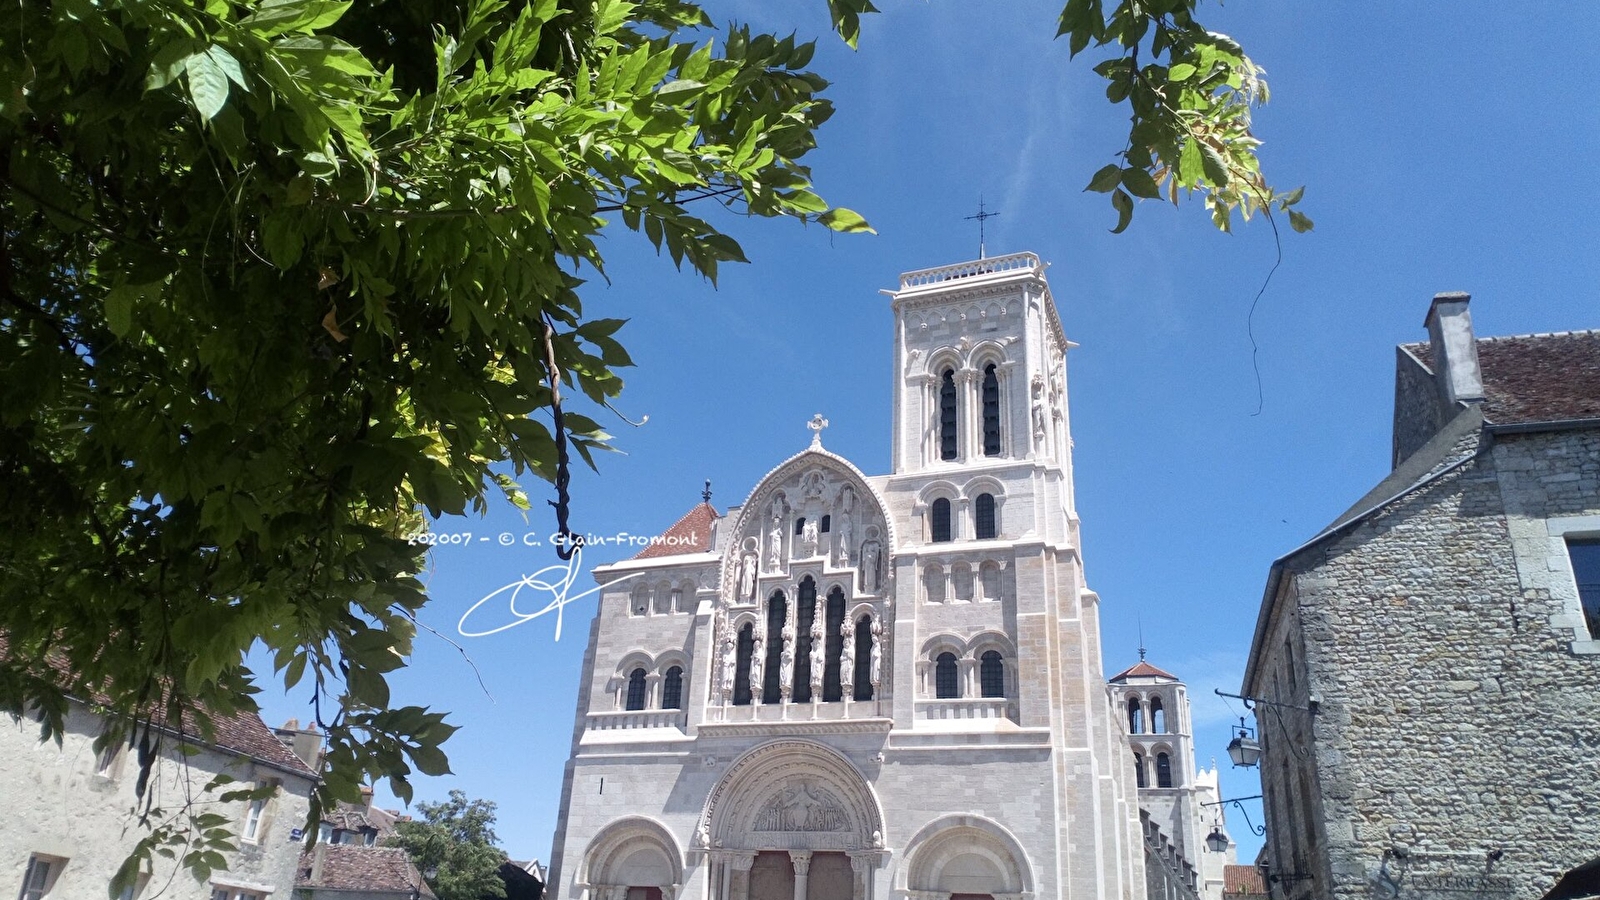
pixel 1243 880
pixel 1535 377
pixel 346 867
pixel 691 534
pixel 243 732
pixel 1142 670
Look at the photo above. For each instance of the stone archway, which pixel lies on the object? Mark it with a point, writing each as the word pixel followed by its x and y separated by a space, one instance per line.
pixel 966 856
pixel 792 820
pixel 632 858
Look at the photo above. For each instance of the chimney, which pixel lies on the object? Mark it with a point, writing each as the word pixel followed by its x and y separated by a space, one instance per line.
pixel 366 797
pixel 1455 350
pixel 317 857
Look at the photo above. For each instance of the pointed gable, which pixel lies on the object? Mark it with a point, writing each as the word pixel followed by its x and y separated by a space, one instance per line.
pixel 1142 670
pixel 691 534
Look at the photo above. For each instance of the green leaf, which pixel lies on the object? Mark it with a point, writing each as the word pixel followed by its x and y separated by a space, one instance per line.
pixel 1181 72
pixel 275 17
pixel 1291 198
pixel 1216 170
pixel 1140 184
pixel 1300 222
pixel 1105 180
pixel 1124 206
pixel 845 220
pixel 208 85
pixel 675 92
pixel 1190 166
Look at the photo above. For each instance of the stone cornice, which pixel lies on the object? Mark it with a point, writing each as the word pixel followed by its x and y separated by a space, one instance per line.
pixel 793 729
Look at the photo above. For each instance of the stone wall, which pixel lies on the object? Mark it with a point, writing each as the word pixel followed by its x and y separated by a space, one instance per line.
pixel 1453 754
pixel 60 804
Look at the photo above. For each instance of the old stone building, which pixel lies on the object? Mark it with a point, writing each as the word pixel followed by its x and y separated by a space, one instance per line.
pixel 1446 633
pixel 1179 802
pixel 70 822
pixel 870 686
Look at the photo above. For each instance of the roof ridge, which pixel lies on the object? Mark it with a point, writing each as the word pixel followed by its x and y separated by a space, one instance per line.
pixel 1577 332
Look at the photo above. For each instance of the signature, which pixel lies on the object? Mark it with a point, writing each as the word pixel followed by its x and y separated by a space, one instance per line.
pixel 553 582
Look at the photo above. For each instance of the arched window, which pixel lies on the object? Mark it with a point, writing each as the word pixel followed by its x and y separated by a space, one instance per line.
pixel 777 614
pixel 1139 779
pixel 1135 716
pixel 641 601
pixel 741 666
pixel 1158 717
pixel 946 684
pixel 863 680
pixel 983 510
pixel 636 689
pixel 992 674
pixel 947 415
pixel 832 690
pixel 933 584
pixel 672 689
pixel 826 525
pixel 799 525
pixel 807 614
pixel 940 519
pixel 1163 770
pixel 991 411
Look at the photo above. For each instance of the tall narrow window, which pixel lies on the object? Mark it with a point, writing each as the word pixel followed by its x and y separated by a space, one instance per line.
pixel 832 690
pixel 1138 770
pixel 992 674
pixel 741 667
pixel 1163 770
pixel 636 689
pixel 1158 717
pixel 991 411
pixel 825 525
pixel 672 689
pixel 863 679
pixel 983 514
pixel 1288 657
pixel 777 614
pixel 807 614
pixel 1135 716
pixel 799 525
pixel 940 516
pixel 1585 556
pixel 946 682
pixel 252 820
pixel 947 415
pixel 36 878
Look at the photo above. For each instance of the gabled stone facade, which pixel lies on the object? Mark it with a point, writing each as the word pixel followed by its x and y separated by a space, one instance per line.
pixel 870 687
pixel 1439 632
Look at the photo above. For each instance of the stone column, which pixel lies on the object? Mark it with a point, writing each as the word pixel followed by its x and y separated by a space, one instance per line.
pixel 802 869
pixel 739 868
pixel 864 864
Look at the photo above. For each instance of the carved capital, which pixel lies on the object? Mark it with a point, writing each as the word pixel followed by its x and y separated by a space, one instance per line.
pixel 801 860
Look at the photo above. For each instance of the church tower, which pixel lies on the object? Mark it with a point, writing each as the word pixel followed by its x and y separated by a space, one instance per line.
pixel 870 687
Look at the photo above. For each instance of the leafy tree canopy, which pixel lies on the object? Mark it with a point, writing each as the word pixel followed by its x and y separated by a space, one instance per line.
pixel 278 277
pixel 455 848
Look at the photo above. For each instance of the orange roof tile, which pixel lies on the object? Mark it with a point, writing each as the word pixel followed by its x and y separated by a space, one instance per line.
pixel 691 534
pixel 1142 670
pixel 1243 880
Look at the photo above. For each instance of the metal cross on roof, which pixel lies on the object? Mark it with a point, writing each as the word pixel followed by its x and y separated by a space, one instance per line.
pixel 816 425
pixel 982 216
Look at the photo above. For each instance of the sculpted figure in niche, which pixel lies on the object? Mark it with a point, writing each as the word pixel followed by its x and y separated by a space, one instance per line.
pixel 747 577
pixel 808 538
pixel 758 664
pixel 869 567
pixel 775 545
pixel 730 663
pixel 817 657
pixel 846 538
pixel 847 499
pixel 875 662
pixel 813 485
pixel 786 673
pixel 847 656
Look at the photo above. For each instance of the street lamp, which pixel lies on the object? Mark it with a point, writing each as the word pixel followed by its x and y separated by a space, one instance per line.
pixel 1216 841
pixel 1243 749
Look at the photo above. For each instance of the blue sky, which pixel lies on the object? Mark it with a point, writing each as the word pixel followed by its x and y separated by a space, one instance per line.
pixel 1442 147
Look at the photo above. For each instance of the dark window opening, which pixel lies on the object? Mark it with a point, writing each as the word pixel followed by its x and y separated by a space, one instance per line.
pixel 947 415
pixel 1158 717
pixel 946 682
pixel 1138 771
pixel 992 674
pixel 832 689
pixel 826 524
pixel 741 666
pixel 983 511
pixel 991 411
pixel 863 681
pixel 799 525
pixel 941 520
pixel 802 643
pixel 1585 555
pixel 672 689
pixel 636 689
pixel 1135 716
pixel 1163 770
pixel 777 613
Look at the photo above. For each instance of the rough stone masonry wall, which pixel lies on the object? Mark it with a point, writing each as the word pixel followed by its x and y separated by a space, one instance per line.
pixel 1456 720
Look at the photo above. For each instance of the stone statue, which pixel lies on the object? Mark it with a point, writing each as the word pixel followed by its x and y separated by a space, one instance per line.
pixel 775 545
pixel 758 664
pixel 730 663
pixel 818 657
pixel 846 539
pixel 847 499
pixel 869 567
pixel 702 834
pixel 786 673
pixel 747 577
pixel 875 667
pixel 808 537
pixel 847 655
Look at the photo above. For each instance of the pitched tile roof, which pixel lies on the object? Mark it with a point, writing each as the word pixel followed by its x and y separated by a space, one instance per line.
pixel 242 732
pixel 1535 377
pixel 1243 880
pixel 1142 670
pixel 347 867
pixel 356 816
pixel 691 534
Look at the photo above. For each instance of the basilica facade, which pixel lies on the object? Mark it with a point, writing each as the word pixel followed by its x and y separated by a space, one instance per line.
pixel 863 687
